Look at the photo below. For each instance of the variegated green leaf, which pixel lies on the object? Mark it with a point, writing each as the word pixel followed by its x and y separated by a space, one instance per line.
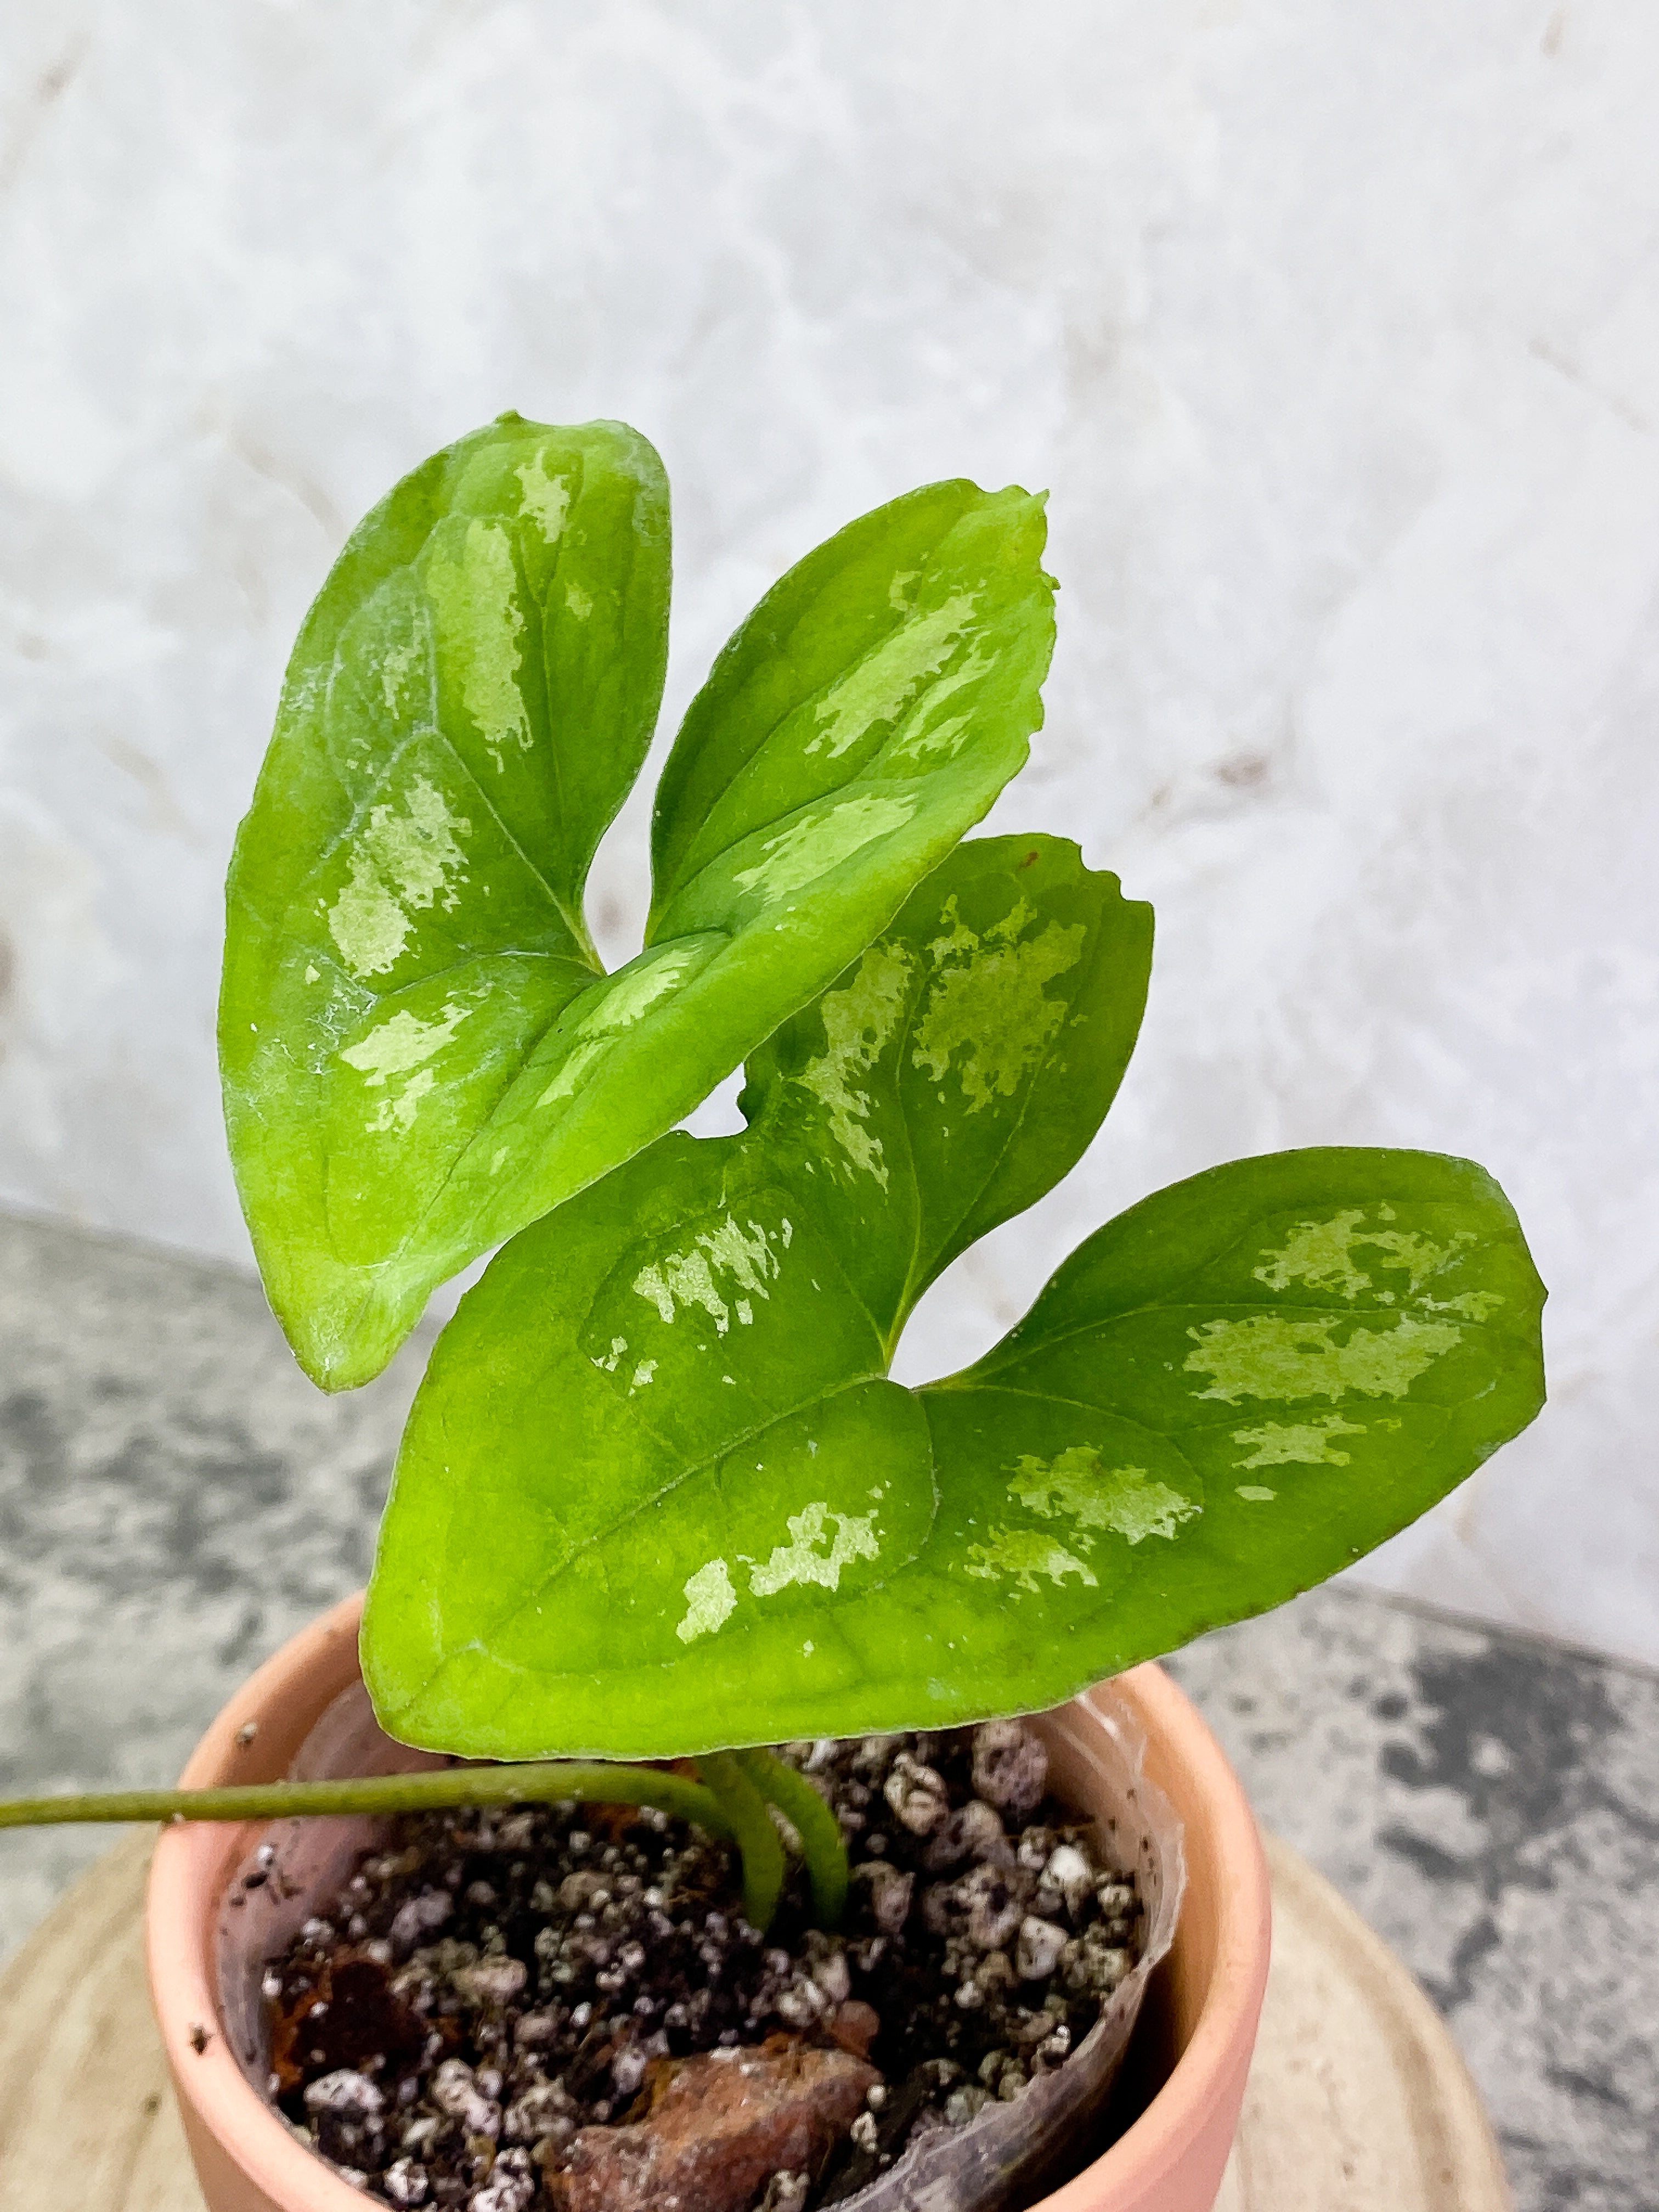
pixel 665 1412
pixel 1240 1386
pixel 659 1492
pixel 421 1053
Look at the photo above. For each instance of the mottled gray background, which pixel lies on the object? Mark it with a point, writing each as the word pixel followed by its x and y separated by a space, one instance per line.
pixel 1332 325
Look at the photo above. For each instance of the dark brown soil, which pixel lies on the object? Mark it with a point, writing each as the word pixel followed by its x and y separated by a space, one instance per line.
pixel 498 2003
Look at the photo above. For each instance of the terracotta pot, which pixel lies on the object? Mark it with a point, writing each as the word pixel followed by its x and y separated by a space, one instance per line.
pixel 1192 2049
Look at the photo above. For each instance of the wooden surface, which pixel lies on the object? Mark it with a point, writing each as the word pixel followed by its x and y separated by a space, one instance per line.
pixel 87 2116
pixel 1358 2100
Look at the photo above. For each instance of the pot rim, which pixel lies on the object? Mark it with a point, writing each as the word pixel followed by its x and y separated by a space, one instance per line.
pixel 193 1861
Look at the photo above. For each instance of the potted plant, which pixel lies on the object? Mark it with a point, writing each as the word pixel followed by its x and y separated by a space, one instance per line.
pixel 659 1500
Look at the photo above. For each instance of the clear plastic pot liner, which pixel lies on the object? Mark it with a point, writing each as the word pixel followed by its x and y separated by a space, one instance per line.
pixel 310 1862
pixel 1002 2159
pixel 1012 2154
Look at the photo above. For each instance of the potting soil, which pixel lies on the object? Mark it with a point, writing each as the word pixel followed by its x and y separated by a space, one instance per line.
pixel 565 2007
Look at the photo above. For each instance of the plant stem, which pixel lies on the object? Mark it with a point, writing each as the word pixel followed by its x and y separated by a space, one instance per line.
pixel 758 1839
pixel 822 1846
pixel 538 1783
pixel 731 1803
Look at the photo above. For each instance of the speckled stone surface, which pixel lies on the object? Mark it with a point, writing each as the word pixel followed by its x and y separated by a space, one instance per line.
pixel 175 1498
pixel 1490 1802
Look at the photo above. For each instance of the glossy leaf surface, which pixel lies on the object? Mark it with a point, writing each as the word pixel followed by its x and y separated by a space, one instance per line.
pixel 658 1492
pixel 420 1051
pixel 700 1344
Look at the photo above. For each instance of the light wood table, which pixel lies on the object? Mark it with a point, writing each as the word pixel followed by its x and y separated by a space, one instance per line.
pixel 1357 2099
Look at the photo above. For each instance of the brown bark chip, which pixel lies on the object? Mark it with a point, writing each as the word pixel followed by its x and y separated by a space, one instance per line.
pixel 721 2128
pixel 350 2015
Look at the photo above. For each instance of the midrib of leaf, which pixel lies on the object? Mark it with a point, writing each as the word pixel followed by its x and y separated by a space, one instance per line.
pixel 611 1528
pixel 864 775
pixel 577 926
pixel 1423 1406
pixel 1032 1346
pixel 953 1384
pixel 780 642
pixel 577 923
pixel 984 1185
pixel 906 1302
pixel 378 790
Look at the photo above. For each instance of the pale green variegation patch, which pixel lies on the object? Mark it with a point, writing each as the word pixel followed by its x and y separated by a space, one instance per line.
pixel 888 680
pixel 546 496
pixel 368 922
pixel 401 1047
pixel 1308 1443
pixel 1477 1306
pixel 937 738
pixel 618 1003
pixel 1269 1356
pixel 1123 1499
pixel 1319 1254
pixel 1322 1255
pixel 474 594
pixel 1019 1556
pixel 956 941
pixel 858 1021
pixel 402 1043
pixel 742 1252
pixel 988 1010
pixel 803 1560
pixel 934 733
pixel 821 841
pixel 710 1602
pixel 1098 1500
pixel 398 664
pixel 407 855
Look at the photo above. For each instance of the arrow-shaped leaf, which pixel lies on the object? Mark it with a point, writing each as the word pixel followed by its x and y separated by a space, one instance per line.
pixel 1232 1391
pixel 658 1492
pixel 682 1376
pixel 420 1052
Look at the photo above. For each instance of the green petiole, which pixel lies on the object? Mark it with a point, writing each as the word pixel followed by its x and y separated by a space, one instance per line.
pixel 822 1846
pixel 758 1843
pixel 731 1803
pixel 536 1783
